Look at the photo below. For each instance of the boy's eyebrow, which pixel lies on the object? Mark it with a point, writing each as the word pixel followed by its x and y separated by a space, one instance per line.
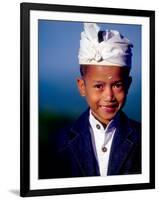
pixel 116 81
pixel 95 81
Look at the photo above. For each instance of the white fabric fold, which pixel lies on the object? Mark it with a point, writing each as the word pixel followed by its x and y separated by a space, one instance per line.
pixel 113 49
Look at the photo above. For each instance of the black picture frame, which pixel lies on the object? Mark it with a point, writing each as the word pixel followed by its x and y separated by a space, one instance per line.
pixel 26 8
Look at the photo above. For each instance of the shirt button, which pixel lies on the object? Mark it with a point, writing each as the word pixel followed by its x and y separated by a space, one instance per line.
pixel 98 126
pixel 104 149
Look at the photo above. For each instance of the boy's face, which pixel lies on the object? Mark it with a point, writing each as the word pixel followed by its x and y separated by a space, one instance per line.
pixel 105 89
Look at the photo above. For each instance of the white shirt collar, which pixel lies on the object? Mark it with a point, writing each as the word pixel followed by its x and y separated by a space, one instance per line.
pixel 96 125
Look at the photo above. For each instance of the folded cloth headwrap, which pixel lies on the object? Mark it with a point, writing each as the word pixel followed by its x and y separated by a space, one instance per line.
pixel 104 47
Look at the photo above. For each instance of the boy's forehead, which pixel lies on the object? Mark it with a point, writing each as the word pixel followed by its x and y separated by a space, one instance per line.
pixel 105 71
pixel 107 74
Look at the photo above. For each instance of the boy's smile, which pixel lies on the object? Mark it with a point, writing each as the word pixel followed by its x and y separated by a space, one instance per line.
pixel 105 89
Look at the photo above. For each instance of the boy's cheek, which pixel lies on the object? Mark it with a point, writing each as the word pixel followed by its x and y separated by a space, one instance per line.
pixel 92 101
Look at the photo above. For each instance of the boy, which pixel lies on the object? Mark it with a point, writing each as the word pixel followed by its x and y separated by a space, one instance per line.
pixel 103 141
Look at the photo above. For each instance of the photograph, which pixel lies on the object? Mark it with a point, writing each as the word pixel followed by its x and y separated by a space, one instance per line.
pixel 75 107
pixel 87 99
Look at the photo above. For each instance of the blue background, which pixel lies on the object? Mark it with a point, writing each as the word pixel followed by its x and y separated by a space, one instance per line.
pixel 59 68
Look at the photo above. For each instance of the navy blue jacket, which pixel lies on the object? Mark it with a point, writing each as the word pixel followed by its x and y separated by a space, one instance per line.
pixel 73 155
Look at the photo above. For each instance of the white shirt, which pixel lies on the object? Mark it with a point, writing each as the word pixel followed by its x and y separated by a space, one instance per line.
pixel 102 138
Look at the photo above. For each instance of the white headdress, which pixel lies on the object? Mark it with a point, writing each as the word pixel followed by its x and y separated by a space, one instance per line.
pixel 104 47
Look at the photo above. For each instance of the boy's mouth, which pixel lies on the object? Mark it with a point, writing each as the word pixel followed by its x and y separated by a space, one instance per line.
pixel 109 108
pixel 109 105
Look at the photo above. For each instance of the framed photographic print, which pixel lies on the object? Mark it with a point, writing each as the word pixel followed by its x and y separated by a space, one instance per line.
pixel 87 99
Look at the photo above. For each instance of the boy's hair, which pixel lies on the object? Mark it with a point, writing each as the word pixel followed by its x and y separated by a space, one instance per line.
pixel 83 69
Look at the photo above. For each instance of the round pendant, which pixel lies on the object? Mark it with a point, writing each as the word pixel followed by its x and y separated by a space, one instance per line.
pixel 104 149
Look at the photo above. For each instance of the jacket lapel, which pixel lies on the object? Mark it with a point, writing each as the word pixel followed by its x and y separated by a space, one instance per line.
pixel 80 146
pixel 121 146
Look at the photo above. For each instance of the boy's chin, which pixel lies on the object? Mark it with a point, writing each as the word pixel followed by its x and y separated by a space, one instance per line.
pixel 105 117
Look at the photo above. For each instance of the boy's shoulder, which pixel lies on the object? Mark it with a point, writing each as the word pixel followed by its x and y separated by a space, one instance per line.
pixel 125 119
pixel 72 130
pixel 135 124
pixel 131 126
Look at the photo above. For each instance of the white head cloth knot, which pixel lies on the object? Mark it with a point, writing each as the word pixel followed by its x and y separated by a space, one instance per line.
pixel 104 47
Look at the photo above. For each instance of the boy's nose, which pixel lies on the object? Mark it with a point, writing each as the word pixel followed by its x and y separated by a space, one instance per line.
pixel 108 94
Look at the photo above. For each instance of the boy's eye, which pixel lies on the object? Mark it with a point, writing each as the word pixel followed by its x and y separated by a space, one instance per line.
pixel 99 86
pixel 118 85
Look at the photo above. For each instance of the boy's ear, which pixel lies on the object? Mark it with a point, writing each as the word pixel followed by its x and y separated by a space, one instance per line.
pixel 81 86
